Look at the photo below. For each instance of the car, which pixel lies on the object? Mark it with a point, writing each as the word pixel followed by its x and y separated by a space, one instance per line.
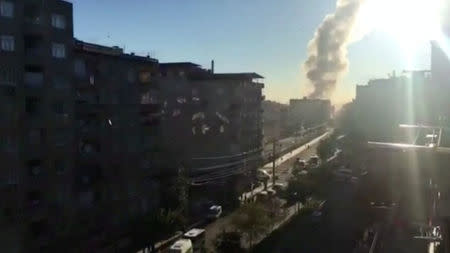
pixel 263 175
pixel 182 246
pixel 343 174
pixel 314 161
pixel 271 192
pixel 279 187
pixel 299 164
pixel 215 212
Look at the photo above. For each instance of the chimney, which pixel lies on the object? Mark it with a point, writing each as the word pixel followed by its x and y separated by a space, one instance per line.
pixel 212 67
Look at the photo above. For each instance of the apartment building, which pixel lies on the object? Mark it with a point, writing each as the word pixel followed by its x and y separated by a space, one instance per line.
pixel 117 108
pixel 384 103
pixel 91 136
pixel 214 123
pixel 36 118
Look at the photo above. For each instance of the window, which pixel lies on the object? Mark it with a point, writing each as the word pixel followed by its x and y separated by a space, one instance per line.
pixel 35 167
pixel 7 43
pixel 60 137
pixel 58 50
pixel 7 75
pixel 32 105
pixel 58 107
pixel 145 77
pixel 35 136
pixel 80 68
pixel 60 167
pixel 61 83
pixel 8 144
pixel 131 76
pixel 6 9
pixel 58 21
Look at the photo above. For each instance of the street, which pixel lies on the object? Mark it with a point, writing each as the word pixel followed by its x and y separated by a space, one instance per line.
pixel 284 165
pixel 333 232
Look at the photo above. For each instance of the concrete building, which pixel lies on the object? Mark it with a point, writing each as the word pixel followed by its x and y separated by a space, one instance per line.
pixel 117 131
pixel 440 66
pixel 213 122
pixel 92 137
pixel 383 104
pixel 36 118
pixel 308 113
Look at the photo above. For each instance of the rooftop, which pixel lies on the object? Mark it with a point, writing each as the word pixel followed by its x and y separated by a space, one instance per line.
pixel 194 232
pixel 245 75
pixel 179 64
pixel 110 51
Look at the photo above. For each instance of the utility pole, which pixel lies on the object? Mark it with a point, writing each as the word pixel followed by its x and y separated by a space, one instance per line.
pixel 275 143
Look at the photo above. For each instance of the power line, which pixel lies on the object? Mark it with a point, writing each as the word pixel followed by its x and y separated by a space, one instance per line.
pixel 230 156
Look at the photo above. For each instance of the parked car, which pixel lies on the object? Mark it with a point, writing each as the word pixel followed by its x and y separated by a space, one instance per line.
pixel 263 175
pixel 279 187
pixel 345 175
pixel 197 237
pixel 299 164
pixel 215 212
pixel 314 161
pixel 182 246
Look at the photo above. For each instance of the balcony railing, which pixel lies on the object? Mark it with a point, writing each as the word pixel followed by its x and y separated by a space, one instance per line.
pixel 34 79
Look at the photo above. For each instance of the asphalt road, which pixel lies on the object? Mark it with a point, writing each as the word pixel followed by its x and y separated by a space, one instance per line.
pixel 334 232
pixel 284 164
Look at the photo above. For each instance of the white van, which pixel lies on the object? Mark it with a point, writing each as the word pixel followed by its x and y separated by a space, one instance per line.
pixel 182 246
pixel 197 237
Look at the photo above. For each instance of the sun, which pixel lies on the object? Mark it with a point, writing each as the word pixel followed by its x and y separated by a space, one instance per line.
pixel 410 22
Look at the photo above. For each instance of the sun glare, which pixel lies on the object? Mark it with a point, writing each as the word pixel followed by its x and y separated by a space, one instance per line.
pixel 410 22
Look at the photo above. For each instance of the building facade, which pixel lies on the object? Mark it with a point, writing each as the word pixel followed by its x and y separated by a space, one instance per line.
pixel 213 122
pixel 37 115
pixel 383 104
pixel 308 113
pixel 92 137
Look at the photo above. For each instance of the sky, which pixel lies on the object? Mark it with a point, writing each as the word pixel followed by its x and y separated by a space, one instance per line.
pixel 264 36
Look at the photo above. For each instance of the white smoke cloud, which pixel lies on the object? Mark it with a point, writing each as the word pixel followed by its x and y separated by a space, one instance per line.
pixel 327 51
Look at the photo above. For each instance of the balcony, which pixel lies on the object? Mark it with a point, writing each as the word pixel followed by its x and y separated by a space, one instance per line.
pixel 33 79
pixel 150 119
pixel 151 108
pixel 8 77
pixel 33 25
pixel 34 55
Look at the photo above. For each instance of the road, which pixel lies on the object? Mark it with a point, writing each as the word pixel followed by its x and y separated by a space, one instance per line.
pixel 284 164
pixel 333 232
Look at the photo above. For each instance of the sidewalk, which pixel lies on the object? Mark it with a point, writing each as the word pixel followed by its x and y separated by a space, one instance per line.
pixel 282 160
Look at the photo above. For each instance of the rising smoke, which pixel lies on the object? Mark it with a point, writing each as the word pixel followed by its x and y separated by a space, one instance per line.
pixel 327 51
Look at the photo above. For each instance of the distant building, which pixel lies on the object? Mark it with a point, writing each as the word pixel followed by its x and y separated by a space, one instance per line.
pixel 383 104
pixel 275 120
pixel 440 67
pixel 308 113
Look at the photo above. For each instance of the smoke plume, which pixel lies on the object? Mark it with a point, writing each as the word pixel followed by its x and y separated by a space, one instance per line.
pixel 327 51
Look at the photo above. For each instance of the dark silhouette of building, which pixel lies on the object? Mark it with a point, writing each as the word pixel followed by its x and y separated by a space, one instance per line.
pixel 213 123
pixel 117 105
pixel 92 138
pixel 383 104
pixel 37 121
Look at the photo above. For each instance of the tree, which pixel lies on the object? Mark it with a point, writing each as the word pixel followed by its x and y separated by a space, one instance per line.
pixel 299 187
pixel 151 228
pixel 251 220
pixel 228 242
pixel 326 148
